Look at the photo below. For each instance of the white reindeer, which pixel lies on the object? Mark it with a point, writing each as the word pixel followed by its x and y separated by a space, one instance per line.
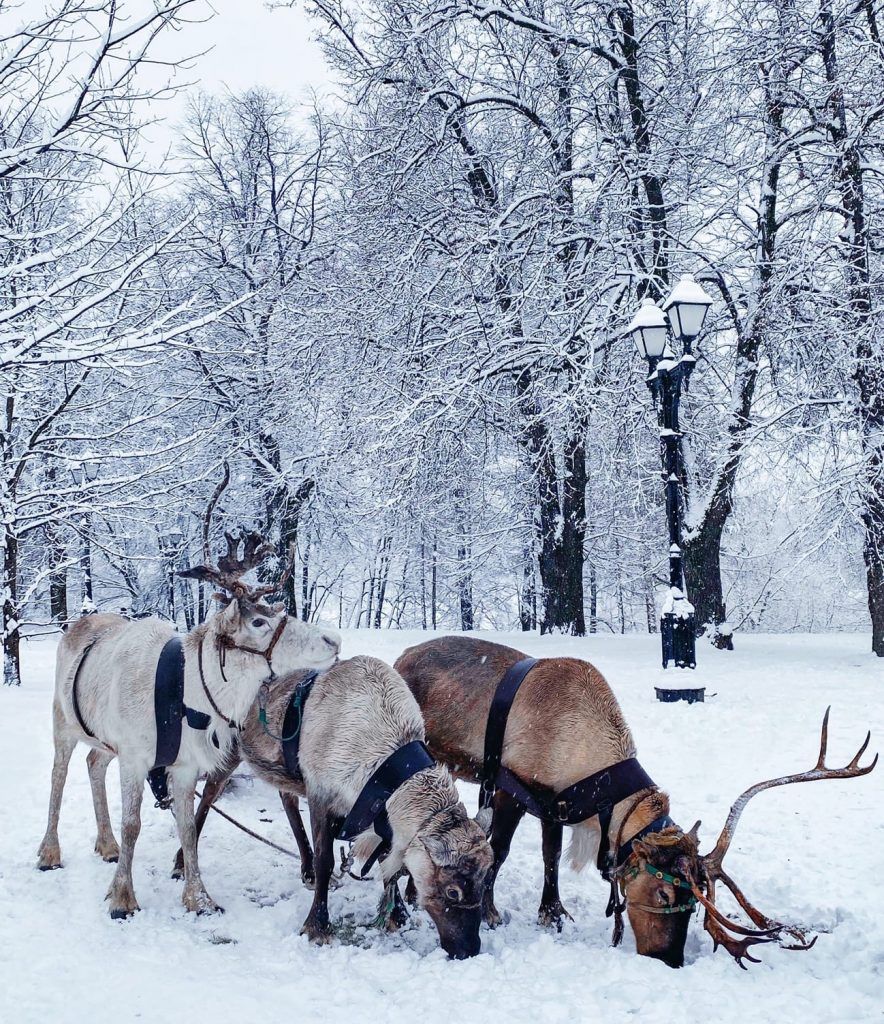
pixel 104 697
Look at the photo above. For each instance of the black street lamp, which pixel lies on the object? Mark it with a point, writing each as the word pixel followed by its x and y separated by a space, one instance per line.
pixel 654 329
pixel 86 472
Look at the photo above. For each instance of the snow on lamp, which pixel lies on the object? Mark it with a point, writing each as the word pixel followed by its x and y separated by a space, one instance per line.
pixel 686 307
pixel 648 329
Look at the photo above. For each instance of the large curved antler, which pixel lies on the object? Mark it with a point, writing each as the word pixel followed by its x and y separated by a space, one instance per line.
pixel 711 863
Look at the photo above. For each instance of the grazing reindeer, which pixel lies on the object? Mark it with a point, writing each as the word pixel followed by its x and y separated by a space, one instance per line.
pixel 357 717
pixel 566 728
pixel 105 697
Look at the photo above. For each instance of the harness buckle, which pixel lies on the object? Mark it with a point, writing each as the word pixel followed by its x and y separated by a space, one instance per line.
pixel 562 811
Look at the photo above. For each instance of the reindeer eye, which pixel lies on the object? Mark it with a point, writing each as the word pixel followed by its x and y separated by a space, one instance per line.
pixel 454 894
pixel 258 623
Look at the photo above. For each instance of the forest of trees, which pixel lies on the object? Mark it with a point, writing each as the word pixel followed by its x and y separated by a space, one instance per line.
pixel 390 331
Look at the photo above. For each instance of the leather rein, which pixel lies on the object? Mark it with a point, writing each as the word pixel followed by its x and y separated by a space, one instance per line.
pixel 225 644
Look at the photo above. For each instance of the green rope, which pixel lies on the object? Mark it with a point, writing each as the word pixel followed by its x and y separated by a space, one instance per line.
pixel 384 913
pixel 262 718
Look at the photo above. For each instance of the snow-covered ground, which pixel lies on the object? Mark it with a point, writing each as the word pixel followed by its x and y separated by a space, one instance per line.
pixel 811 853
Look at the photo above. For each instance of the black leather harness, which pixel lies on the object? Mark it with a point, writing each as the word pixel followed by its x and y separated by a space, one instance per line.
pixel 290 737
pixel 171 712
pixel 595 795
pixel 370 808
pixel 169 709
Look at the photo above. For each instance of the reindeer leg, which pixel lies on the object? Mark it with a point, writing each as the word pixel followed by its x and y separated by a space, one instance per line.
pixel 122 893
pixel 507 815
pixel 195 898
pixel 213 787
pixel 316 927
pixel 293 813
pixel 411 892
pixel 391 909
pixel 551 913
pixel 49 853
pixel 106 845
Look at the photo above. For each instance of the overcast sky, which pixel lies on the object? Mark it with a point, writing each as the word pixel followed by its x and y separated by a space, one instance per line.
pixel 247 45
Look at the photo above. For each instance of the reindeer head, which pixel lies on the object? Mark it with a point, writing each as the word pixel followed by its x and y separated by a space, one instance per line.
pixel 248 624
pixel 449 860
pixel 665 876
pixel 658 898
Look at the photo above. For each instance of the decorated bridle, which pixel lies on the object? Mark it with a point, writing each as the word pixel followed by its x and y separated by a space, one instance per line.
pixel 225 644
pixel 624 873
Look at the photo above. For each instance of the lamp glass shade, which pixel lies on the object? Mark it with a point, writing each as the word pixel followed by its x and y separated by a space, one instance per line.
pixel 91 468
pixel 648 329
pixel 77 474
pixel 686 307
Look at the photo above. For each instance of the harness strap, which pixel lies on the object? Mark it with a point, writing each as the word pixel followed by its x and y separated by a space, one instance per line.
pixel 171 711
pixel 624 851
pixel 290 737
pixel 597 794
pixel 370 808
pixel 75 699
pixel 495 728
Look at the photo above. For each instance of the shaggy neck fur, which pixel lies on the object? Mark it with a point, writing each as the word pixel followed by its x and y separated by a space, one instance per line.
pixel 235 695
pixel 410 807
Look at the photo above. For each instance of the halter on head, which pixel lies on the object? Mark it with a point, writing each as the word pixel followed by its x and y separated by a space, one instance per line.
pixel 622 875
pixel 225 643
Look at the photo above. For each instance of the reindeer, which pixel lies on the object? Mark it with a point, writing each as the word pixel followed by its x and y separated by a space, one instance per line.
pixel 358 714
pixel 566 725
pixel 105 694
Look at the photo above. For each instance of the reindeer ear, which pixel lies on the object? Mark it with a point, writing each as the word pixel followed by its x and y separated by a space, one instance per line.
pixel 278 607
pixel 222 598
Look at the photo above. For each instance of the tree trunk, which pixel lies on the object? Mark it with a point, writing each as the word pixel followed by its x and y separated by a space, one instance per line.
pixel 561 526
pixel 58 581
pixel 703 534
pixel 11 634
pixel 465 588
pixel 433 583
pixel 868 359
pixel 527 597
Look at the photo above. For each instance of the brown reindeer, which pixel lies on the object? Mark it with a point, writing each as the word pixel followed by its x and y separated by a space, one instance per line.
pixel 565 724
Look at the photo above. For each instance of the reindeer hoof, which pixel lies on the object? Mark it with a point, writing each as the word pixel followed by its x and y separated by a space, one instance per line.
pixel 491 916
pixel 123 913
pixel 309 881
pixel 318 933
pixel 201 903
pixel 49 858
pixel 178 866
pixel 108 851
pixel 553 916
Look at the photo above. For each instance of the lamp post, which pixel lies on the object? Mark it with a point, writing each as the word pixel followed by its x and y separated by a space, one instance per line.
pixel 654 330
pixel 86 472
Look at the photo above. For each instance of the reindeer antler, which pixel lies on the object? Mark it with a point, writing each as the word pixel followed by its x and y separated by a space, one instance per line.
pixel 711 863
pixel 231 567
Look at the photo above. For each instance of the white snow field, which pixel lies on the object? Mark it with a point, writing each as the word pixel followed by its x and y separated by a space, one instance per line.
pixel 812 853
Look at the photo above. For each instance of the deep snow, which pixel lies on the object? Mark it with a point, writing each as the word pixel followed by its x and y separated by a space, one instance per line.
pixel 810 853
